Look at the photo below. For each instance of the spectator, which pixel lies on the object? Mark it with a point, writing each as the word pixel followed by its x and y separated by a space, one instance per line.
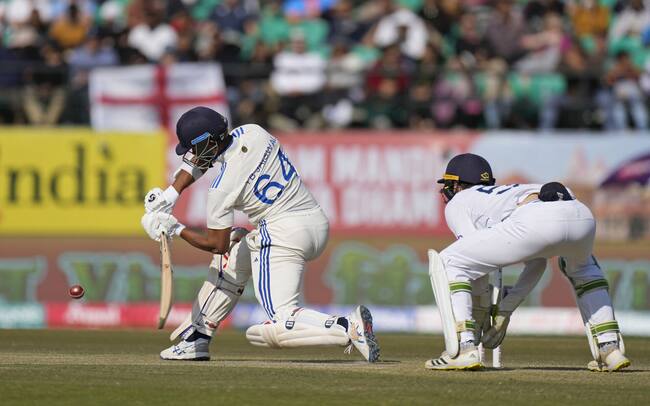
pixel 298 77
pixel 623 78
pixel 344 79
pixel 471 44
pixel 589 18
pixel 443 15
pixel 273 26
pixel 44 97
pixel 447 63
pixel 401 26
pixel 95 52
pixel 26 36
pixel 427 68
pixel 535 11
pixel 58 8
pixel 631 22
pixel 70 29
pixel 19 11
pixel 111 20
pixel 214 48
pixel 233 18
pixel 384 108
pixel 544 49
pixel 154 37
pixel 504 32
pixel 420 106
pixel 343 23
pixel 10 81
pixel 455 101
pixel 299 9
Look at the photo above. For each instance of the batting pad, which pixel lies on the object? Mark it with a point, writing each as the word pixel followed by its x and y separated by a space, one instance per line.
pixel 277 334
pixel 220 293
pixel 441 291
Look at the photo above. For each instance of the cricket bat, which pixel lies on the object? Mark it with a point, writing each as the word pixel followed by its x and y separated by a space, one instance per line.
pixel 166 280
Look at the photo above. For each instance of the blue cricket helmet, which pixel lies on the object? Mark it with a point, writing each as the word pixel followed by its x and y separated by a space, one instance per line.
pixel 197 125
pixel 204 132
pixel 468 168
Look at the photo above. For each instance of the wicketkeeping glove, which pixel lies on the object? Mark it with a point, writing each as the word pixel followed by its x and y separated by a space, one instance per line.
pixel 493 336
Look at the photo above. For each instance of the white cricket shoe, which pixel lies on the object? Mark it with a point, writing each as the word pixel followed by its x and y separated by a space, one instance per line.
pixel 197 350
pixel 614 360
pixel 361 335
pixel 468 359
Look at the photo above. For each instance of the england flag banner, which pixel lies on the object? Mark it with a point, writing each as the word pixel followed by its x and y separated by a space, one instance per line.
pixel 151 97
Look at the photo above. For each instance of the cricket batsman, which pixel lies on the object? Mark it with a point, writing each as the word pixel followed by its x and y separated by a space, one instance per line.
pixel 254 176
pixel 497 226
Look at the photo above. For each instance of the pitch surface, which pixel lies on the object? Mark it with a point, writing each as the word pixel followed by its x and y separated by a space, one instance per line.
pixel 122 367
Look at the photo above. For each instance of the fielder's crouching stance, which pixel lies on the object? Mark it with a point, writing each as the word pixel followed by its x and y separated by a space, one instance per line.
pixel 497 226
pixel 257 178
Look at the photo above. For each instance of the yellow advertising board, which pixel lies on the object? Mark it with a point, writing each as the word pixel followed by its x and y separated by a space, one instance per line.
pixel 76 182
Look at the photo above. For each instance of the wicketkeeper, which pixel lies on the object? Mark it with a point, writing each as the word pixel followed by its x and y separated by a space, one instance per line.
pixel 503 225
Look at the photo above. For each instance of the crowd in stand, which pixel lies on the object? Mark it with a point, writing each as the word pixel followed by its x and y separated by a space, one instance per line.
pixel 321 64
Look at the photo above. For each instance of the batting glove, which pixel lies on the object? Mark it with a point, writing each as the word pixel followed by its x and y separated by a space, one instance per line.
pixel 168 224
pixel 157 200
pixel 150 224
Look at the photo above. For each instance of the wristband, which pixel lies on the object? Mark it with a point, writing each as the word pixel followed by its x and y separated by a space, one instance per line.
pixel 179 229
pixel 170 194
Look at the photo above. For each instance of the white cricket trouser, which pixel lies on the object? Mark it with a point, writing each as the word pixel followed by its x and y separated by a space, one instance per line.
pixel 279 249
pixel 535 230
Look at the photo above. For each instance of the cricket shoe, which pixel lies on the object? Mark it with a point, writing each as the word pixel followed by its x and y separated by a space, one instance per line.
pixel 361 335
pixel 468 359
pixel 613 359
pixel 197 350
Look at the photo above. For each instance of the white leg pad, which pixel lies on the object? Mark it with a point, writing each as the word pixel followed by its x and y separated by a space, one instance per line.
pixel 217 297
pixel 277 335
pixel 481 305
pixel 593 345
pixel 440 284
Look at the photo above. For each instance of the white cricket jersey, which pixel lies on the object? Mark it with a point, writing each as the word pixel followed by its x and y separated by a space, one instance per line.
pixel 255 177
pixel 483 206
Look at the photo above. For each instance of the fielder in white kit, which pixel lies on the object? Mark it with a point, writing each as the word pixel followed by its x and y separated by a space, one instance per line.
pixel 256 177
pixel 497 226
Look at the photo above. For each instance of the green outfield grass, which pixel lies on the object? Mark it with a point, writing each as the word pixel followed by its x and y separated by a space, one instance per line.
pixel 122 367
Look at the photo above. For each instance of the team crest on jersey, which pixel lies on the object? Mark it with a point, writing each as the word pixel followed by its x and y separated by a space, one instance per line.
pixel 485 176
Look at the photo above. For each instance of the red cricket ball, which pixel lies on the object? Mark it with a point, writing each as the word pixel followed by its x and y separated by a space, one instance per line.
pixel 76 292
